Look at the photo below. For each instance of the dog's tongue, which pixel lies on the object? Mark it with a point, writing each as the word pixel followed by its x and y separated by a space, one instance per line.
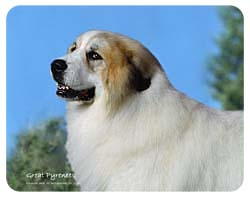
pixel 83 93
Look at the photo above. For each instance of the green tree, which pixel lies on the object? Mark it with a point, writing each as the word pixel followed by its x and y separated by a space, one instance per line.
pixel 226 66
pixel 41 150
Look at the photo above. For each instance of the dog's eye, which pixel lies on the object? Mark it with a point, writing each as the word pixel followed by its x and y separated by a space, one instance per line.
pixel 73 47
pixel 93 56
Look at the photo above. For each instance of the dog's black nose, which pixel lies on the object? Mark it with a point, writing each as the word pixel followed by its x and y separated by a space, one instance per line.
pixel 58 66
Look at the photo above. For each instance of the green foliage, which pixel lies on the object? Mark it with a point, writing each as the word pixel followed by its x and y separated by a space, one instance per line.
pixel 227 66
pixel 40 150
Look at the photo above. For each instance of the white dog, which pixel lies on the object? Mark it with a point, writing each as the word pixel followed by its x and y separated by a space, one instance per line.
pixel 129 129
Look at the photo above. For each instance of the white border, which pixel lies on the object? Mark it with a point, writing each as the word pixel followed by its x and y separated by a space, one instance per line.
pixel 6 5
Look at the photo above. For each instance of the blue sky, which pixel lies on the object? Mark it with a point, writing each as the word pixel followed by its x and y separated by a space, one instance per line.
pixel 182 38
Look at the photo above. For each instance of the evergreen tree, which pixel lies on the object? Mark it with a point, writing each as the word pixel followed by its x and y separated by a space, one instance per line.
pixel 41 150
pixel 227 66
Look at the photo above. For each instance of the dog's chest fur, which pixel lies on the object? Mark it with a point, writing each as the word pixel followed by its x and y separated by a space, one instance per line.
pixel 111 152
pixel 140 150
pixel 128 151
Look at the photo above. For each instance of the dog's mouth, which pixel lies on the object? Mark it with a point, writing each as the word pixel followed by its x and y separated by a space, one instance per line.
pixel 67 92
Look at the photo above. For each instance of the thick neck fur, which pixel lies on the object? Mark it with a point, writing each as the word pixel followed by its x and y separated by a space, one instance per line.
pixel 121 95
pixel 104 140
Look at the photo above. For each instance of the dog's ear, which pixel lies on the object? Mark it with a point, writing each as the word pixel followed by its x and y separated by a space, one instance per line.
pixel 139 79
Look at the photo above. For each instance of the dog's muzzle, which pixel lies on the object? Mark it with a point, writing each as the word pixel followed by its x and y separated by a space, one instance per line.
pixel 58 68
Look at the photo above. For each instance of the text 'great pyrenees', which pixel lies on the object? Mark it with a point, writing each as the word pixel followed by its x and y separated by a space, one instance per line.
pixel 129 129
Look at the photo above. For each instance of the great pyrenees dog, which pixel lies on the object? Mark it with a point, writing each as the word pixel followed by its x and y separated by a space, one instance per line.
pixel 129 129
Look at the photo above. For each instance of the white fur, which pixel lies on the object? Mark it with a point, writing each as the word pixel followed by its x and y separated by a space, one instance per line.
pixel 159 140
pixel 77 75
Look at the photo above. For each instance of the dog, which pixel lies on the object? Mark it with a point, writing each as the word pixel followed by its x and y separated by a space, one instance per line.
pixel 129 129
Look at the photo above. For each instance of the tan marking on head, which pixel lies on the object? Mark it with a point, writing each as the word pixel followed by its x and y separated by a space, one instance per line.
pixel 125 59
pixel 116 75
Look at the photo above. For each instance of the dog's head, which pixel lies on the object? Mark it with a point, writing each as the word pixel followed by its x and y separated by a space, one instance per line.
pixel 103 63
